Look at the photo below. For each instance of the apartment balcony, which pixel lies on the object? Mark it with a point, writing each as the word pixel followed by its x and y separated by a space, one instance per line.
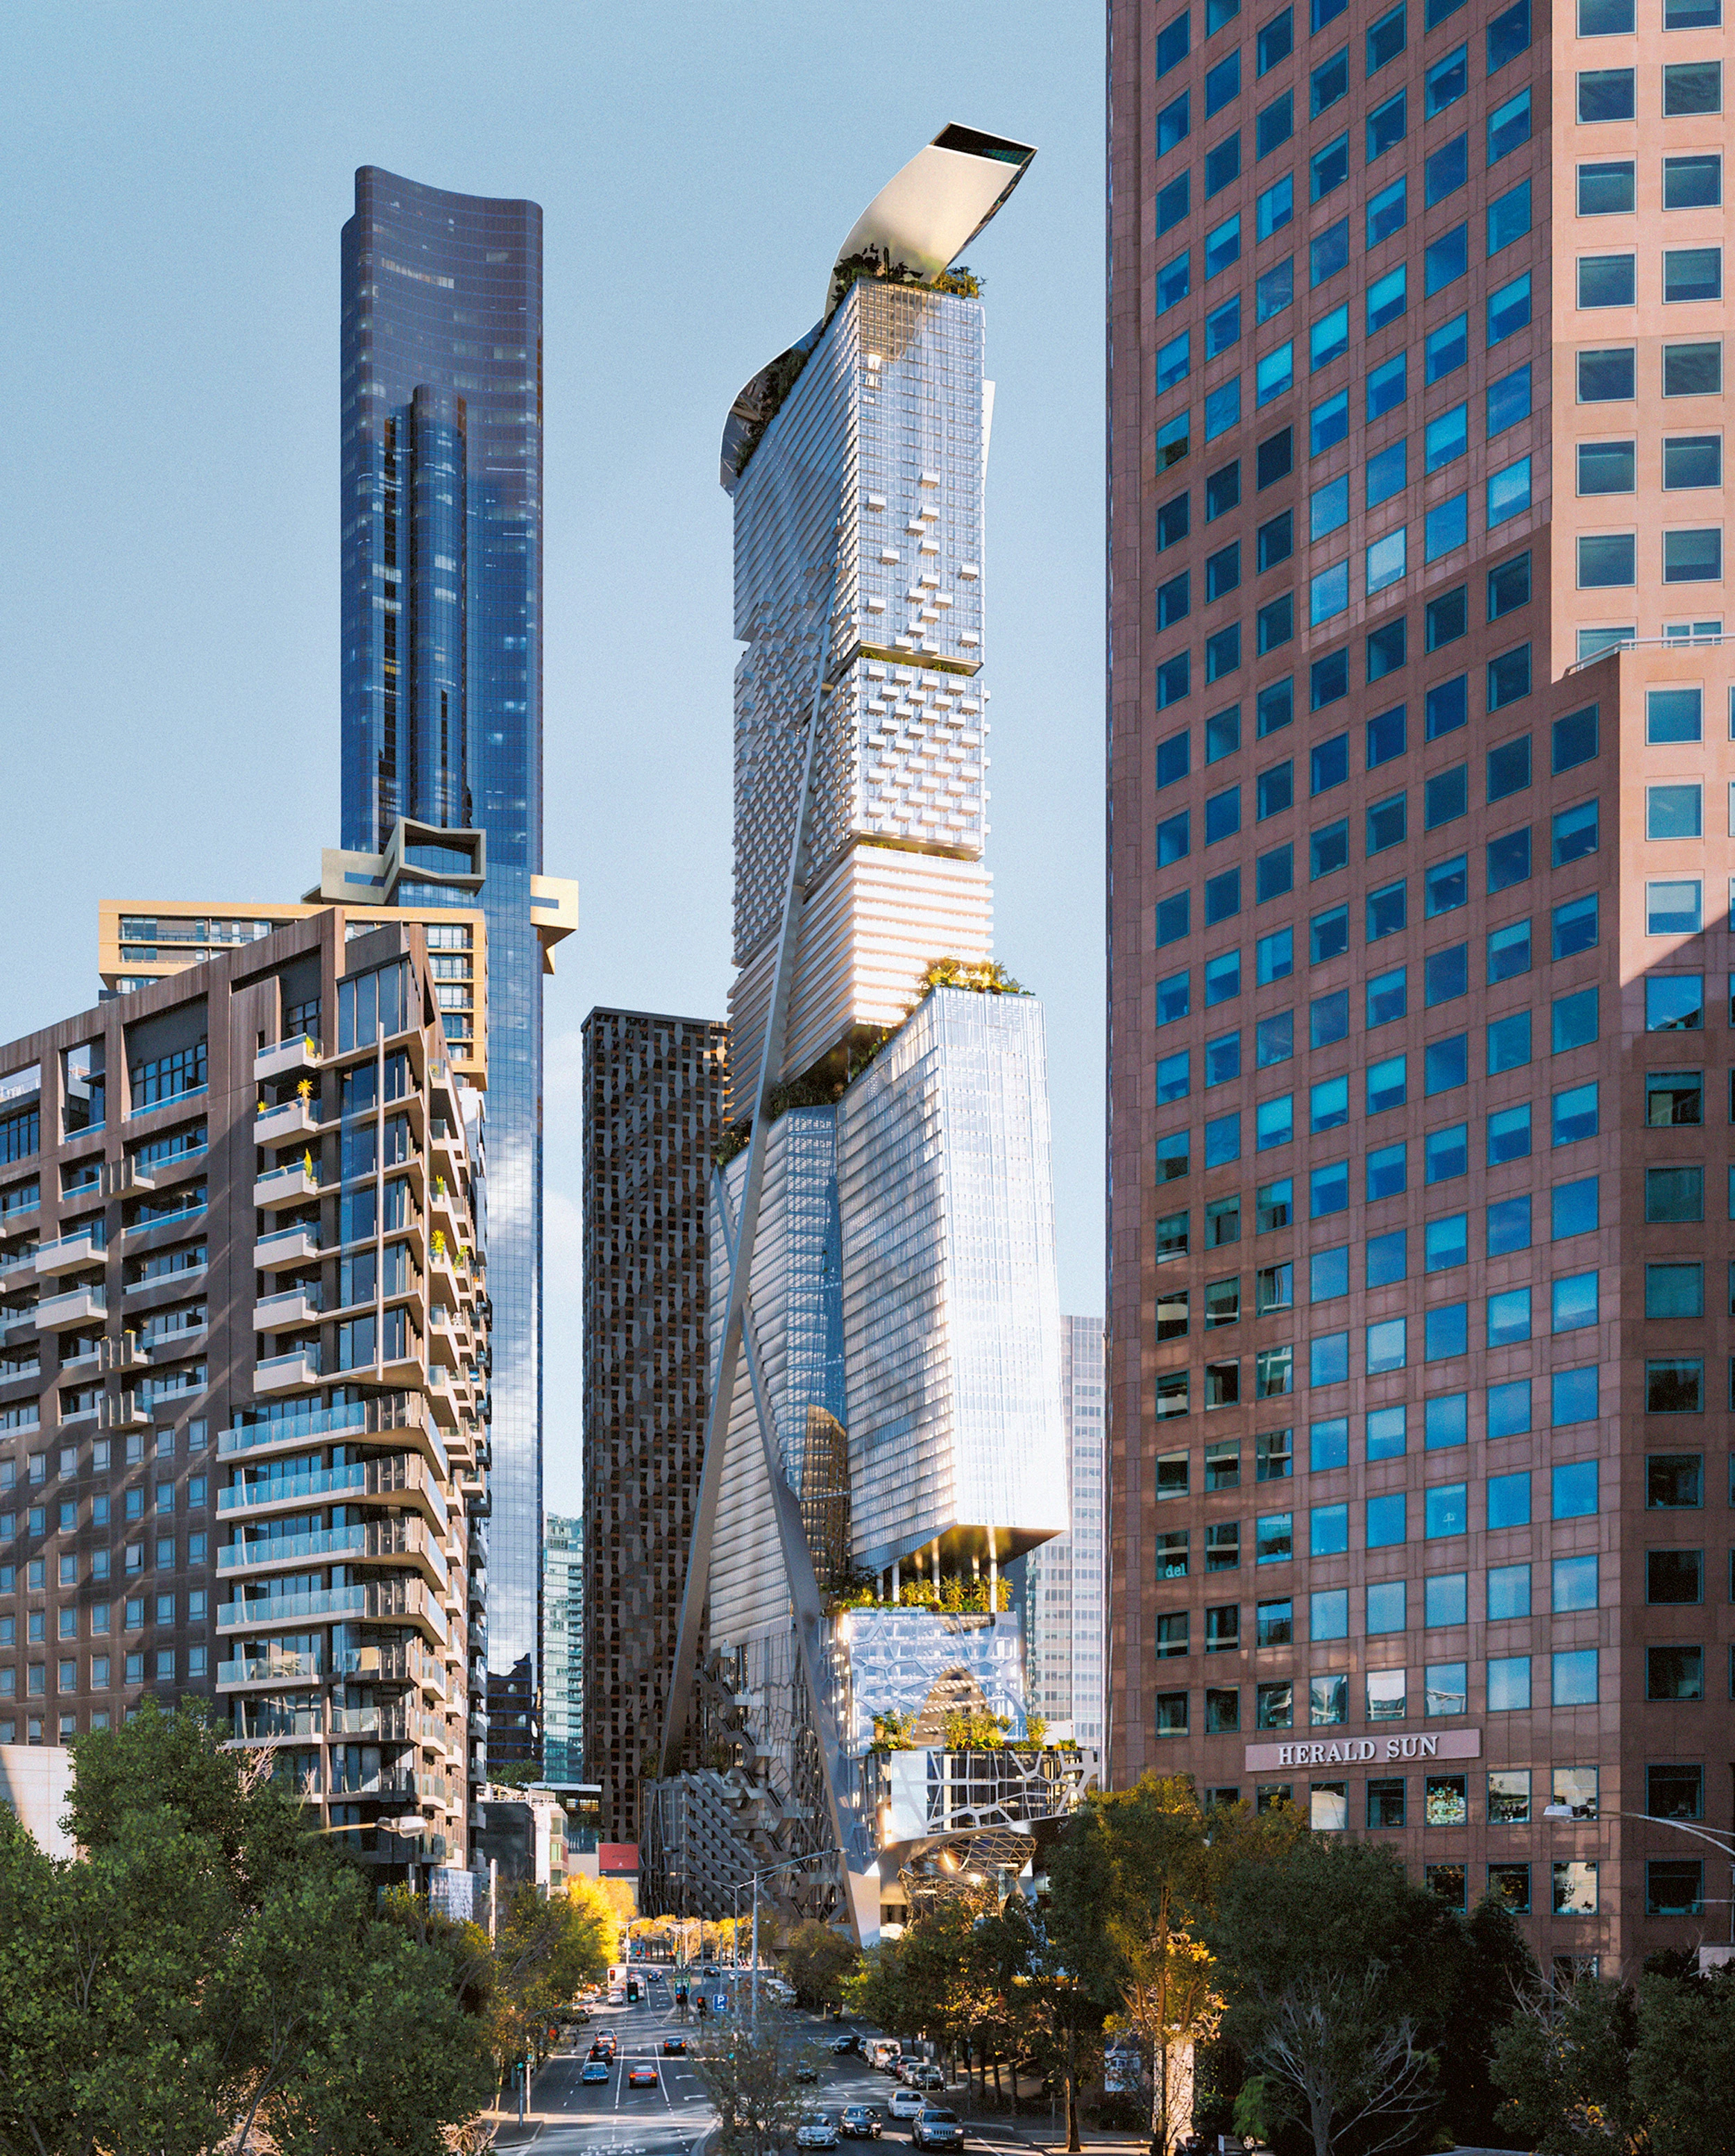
pixel 268 1722
pixel 405 1543
pixel 163 1342
pixel 281 1186
pixel 75 1413
pixel 404 1601
pixel 20 1379
pixel 400 1415
pixel 447 1210
pixel 395 1662
pixel 78 1307
pixel 296 1372
pixel 75 1253
pixel 293 1058
pixel 127 1410
pixel 255 1672
pixel 284 1124
pixel 286 1247
pixel 293 1311
pixel 20 1265
pixel 266 1613
pixel 265 1553
pixel 387 1481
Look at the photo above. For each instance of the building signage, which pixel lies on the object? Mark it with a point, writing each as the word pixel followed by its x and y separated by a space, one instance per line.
pixel 1366 1751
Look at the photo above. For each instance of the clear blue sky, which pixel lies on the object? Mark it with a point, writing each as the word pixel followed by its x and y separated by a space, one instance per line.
pixel 174 177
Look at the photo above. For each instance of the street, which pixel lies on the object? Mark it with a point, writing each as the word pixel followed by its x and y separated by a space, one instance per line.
pixel 568 2117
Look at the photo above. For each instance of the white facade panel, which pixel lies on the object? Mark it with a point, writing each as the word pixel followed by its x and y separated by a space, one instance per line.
pixel 951 1309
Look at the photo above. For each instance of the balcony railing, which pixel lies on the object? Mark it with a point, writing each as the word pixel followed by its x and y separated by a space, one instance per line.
pixel 328 1605
pixel 261 1550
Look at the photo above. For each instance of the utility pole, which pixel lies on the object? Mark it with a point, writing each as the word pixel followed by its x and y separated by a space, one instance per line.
pixel 493 1897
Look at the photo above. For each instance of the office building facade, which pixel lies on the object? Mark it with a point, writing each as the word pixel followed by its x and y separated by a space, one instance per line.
pixel 441 716
pixel 1415 950
pixel 1064 1579
pixel 241 1403
pixel 653 1088
pixel 884 1422
pixel 562 1648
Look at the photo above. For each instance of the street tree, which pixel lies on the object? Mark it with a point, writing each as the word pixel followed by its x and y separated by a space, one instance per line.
pixel 750 2075
pixel 1338 1969
pixel 816 1961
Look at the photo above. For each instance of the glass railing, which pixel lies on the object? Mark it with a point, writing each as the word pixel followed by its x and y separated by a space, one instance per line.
pixel 284 1609
pixel 274 1549
pixel 291 1430
pixel 294 1040
pixel 276 1174
pixel 270 1669
pixel 95 1298
pixel 292 1489
pixel 308 1228
pixel 293 1298
pixel 95 1232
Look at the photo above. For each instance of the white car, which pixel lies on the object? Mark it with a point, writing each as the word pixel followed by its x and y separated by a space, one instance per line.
pixel 905 2103
pixel 818 2131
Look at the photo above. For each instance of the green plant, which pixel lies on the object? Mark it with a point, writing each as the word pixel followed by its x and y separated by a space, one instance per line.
pixel 975 1729
pixel 983 977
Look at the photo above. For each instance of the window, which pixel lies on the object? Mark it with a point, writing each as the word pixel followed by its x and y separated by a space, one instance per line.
pixel 1385 40
pixel 1222 84
pixel 1223 164
pixel 1675 1673
pixel 1693 370
pixel 1692 461
pixel 1674 906
pixel 1606 189
pixel 1693 182
pixel 1446 349
pixel 1692 273
pixel 1607 560
pixel 1172 203
pixel 1693 558
pixel 1509 127
pixel 1328 83
pixel 1574 1114
pixel 1674 1002
pixel 1276 42
pixel 1606 467
pixel 1692 86
pixel 1386 211
pixel 1605 93
pixel 1572 1021
pixel 1445 439
pixel 1445 82
pixel 1387 125
pixel 1174 124
pixel 1328 168
pixel 1446 171
pixel 1508 35
pixel 1574 832
pixel 1674 1193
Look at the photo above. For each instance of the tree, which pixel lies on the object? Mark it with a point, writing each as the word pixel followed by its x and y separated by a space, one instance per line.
pixel 816 1961
pixel 1495 1972
pixel 1601 2066
pixel 204 1973
pixel 1166 1988
pixel 1338 1968
pixel 750 2075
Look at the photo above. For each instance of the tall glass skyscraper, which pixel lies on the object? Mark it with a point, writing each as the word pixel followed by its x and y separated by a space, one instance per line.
pixel 443 722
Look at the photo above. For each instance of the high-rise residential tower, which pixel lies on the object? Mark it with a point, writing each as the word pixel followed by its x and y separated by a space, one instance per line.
pixel 562 1648
pixel 1064 1579
pixel 884 1426
pixel 1417 963
pixel 242 1333
pixel 653 1113
pixel 442 688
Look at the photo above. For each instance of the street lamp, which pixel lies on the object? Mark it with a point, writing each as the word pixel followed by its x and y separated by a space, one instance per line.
pixel 793 1864
pixel 1724 1844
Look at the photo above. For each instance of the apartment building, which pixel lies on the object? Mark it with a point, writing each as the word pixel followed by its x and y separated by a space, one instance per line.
pixel 243 1395
pixel 1417 971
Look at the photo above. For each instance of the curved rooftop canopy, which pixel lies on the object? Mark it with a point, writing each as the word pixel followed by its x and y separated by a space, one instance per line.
pixel 921 221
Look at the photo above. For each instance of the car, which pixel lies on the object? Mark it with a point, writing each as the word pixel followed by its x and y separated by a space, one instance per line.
pixel 842 2045
pixel 595 2070
pixel 603 2048
pixel 935 2128
pixel 643 2075
pixel 806 2074
pixel 860 2121
pixel 673 2045
pixel 817 2132
pixel 905 2103
pixel 927 2076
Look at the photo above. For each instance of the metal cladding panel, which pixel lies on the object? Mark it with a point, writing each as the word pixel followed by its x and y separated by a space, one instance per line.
pixel 950 1307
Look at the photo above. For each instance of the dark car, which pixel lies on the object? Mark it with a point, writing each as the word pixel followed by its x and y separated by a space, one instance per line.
pixel 806 2074
pixel 642 2076
pixel 860 2122
pixel 675 2044
pixel 840 2045
pixel 937 2130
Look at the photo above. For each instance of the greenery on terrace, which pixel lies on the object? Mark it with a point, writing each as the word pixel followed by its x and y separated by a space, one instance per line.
pixel 823 1087
pixel 781 375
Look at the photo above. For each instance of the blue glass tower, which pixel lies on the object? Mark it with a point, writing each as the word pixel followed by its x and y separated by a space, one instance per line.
pixel 442 687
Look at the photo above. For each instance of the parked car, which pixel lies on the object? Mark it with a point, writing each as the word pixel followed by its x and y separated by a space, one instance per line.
pixel 644 2076
pixel 860 2121
pixel 905 2103
pixel 594 2070
pixel 806 2074
pixel 818 2131
pixel 927 2076
pixel 937 2130
pixel 842 2045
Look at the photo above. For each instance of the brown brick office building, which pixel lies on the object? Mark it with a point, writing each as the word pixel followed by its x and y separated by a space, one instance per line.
pixel 1420 1072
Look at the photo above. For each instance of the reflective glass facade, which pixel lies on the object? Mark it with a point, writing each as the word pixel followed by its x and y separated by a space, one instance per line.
pixel 441 720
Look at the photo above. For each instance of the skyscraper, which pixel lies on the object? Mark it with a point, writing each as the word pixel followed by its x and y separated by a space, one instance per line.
pixel 562 1648
pixel 1414 883
pixel 442 675
pixel 1064 1579
pixel 653 1112
pixel 883 1427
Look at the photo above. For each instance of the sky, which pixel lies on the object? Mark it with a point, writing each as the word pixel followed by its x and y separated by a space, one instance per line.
pixel 175 178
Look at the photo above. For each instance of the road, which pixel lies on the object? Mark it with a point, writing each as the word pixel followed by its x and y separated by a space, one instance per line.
pixel 570 2118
